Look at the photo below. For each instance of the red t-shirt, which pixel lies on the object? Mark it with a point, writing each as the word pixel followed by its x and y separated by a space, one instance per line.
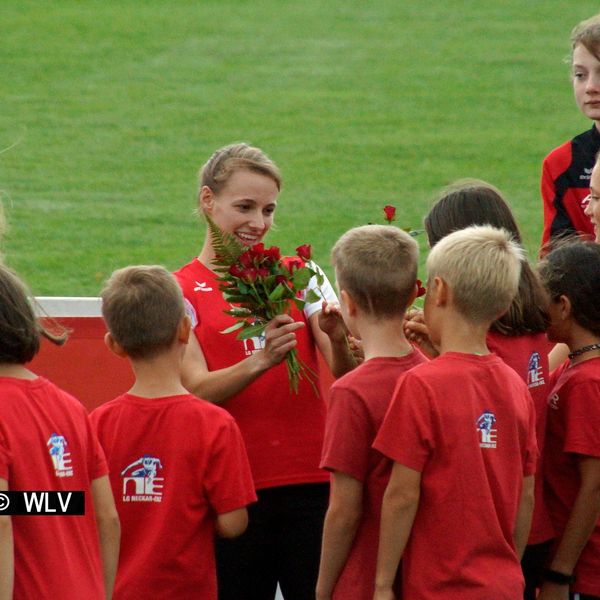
pixel 175 463
pixel 357 405
pixel 283 431
pixel 573 432
pixel 467 424
pixel 47 443
pixel 528 356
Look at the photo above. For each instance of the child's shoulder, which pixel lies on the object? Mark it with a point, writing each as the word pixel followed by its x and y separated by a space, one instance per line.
pixel 378 369
pixel 562 155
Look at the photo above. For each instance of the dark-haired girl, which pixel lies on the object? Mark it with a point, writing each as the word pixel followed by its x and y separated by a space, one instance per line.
pixel 46 443
pixel 571 274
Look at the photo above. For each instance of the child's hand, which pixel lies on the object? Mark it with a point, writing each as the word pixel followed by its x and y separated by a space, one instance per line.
pixel 356 349
pixel 417 333
pixel 331 321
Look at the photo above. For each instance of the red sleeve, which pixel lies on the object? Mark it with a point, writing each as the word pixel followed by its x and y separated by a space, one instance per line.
pixel 228 481
pixel 554 164
pixel 531 449
pixel 582 414
pixel 406 435
pixel 97 465
pixel 348 434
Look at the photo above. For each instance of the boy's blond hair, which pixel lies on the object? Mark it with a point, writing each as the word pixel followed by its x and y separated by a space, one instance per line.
pixel 142 307
pixel 377 266
pixel 482 266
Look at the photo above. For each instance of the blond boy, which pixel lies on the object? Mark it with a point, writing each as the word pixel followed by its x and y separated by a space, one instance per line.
pixel 461 433
pixel 376 268
pixel 178 466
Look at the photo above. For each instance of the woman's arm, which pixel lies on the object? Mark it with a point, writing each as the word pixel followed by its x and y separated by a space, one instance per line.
pixel 218 386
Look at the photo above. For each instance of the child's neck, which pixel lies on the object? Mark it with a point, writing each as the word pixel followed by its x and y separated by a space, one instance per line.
pixel 383 338
pixel 579 338
pixel 158 377
pixel 461 335
pixel 16 371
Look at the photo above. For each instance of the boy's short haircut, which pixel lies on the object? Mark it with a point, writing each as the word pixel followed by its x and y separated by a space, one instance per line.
pixel 482 266
pixel 377 266
pixel 572 269
pixel 142 307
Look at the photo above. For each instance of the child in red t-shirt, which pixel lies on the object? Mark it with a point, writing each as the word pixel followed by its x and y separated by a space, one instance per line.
pixel 178 466
pixel 572 453
pixel 518 336
pixel 376 269
pixel 461 432
pixel 47 443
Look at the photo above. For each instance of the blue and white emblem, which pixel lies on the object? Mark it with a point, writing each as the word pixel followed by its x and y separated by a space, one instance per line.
pixel 61 459
pixel 141 482
pixel 485 426
pixel 535 374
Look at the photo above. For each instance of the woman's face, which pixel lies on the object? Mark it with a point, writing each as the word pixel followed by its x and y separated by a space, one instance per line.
pixel 592 210
pixel 244 207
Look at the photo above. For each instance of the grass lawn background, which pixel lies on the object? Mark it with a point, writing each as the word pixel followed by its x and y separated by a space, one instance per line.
pixel 109 108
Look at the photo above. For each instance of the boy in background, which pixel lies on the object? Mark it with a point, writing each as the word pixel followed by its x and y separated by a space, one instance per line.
pixel 376 269
pixel 178 466
pixel 461 433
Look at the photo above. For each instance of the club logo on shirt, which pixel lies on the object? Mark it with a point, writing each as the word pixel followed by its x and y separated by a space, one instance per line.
pixel 254 344
pixel 553 402
pixel 535 374
pixel 485 425
pixel 61 460
pixel 140 481
pixel 201 287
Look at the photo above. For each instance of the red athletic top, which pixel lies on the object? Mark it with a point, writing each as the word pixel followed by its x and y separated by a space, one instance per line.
pixel 175 463
pixel 572 433
pixel 283 431
pixel 358 402
pixel 467 424
pixel 47 443
pixel 566 174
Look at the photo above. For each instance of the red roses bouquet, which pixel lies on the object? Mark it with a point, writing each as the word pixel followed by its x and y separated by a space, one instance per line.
pixel 260 284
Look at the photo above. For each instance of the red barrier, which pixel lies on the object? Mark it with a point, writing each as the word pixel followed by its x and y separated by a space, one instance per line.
pixel 84 366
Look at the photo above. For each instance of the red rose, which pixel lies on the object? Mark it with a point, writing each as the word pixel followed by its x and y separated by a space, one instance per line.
pixel 421 291
pixel 236 270
pixel 283 280
pixel 390 213
pixel 273 253
pixel 263 272
pixel 304 251
pixel 246 259
pixel 294 263
pixel 249 275
pixel 258 249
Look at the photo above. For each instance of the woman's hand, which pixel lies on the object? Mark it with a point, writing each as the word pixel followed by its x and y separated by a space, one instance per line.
pixel 279 340
pixel 417 333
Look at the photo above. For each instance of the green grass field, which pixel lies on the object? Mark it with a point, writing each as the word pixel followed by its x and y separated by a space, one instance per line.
pixel 109 108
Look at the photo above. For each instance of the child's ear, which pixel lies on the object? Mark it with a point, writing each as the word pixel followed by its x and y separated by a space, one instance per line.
pixel 348 303
pixel 206 199
pixel 564 307
pixel 441 291
pixel 113 345
pixel 184 329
